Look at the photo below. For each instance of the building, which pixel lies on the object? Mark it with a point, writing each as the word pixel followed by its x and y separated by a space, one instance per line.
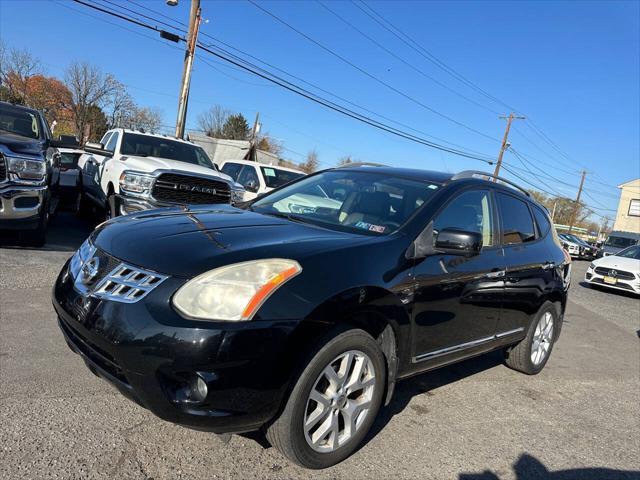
pixel 220 149
pixel 628 215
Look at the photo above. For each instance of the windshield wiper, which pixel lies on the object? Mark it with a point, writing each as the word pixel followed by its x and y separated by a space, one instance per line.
pixel 286 216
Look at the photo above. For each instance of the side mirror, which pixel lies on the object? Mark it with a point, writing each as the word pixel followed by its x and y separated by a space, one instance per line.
pixel 97 149
pixel 458 242
pixel 251 186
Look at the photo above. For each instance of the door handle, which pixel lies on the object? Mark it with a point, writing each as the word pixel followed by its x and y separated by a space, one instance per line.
pixel 496 274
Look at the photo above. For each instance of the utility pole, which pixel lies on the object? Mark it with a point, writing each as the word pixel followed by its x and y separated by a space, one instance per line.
pixel 553 213
pixel 505 144
pixel 252 154
pixel 192 40
pixel 575 207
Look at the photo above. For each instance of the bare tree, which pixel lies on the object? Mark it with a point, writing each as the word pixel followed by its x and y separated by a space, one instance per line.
pixel 89 88
pixel 122 107
pixel 147 119
pixel 16 67
pixel 311 164
pixel 212 121
pixel 345 160
pixel 267 143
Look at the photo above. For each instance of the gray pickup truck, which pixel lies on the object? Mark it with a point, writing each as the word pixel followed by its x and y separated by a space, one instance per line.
pixel 28 171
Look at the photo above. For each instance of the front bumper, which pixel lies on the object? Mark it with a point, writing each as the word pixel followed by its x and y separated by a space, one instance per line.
pixel 128 204
pixel 627 285
pixel 150 353
pixel 21 205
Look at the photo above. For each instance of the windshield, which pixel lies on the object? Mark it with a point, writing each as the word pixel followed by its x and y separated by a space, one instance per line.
pixel 148 146
pixel 19 122
pixel 631 252
pixel 619 242
pixel 362 202
pixel 68 159
pixel 276 177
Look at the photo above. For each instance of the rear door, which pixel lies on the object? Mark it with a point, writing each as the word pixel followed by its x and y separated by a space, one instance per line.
pixel 529 264
pixel 457 300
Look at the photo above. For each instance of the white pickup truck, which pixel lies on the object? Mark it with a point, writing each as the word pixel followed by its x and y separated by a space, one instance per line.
pixel 130 171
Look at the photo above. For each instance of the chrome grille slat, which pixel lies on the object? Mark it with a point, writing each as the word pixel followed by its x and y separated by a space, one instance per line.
pixel 127 284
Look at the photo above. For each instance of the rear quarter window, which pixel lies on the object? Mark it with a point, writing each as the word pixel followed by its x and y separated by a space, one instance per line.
pixel 544 225
pixel 517 223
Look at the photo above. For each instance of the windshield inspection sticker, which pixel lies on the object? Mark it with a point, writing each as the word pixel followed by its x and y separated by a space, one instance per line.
pixel 371 227
pixel 269 172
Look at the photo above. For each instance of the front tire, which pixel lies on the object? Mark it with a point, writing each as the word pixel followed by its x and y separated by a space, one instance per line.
pixel 333 403
pixel 112 207
pixel 531 354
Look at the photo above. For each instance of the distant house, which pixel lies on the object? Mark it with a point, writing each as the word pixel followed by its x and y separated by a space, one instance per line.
pixel 628 215
pixel 220 149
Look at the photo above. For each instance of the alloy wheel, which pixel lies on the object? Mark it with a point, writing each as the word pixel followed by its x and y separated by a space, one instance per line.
pixel 339 401
pixel 542 339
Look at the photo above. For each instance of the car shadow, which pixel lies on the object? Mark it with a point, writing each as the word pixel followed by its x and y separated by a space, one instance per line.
pixel 528 467
pixel 66 233
pixel 425 383
pixel 613 291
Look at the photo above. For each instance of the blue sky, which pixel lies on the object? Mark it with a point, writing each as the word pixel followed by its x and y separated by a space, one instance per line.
pixel 571 67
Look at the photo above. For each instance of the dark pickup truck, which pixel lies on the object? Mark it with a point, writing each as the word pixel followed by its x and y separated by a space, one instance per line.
pixel 28 171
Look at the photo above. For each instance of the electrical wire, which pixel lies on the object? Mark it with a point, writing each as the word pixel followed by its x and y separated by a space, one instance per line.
pixel 370 75
pixel 304 93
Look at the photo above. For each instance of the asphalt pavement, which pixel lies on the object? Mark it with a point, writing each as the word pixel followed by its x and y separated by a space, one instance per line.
pixel 478 420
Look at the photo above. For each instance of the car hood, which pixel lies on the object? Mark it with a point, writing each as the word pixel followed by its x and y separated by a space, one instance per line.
pixel 187 241
pixel 150 164
pixel 618 263
pixel 22 145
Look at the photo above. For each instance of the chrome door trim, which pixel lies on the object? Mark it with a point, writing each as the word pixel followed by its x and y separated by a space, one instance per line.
pixel 464 346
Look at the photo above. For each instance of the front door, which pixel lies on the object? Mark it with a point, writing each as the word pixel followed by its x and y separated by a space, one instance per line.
pixel 458 299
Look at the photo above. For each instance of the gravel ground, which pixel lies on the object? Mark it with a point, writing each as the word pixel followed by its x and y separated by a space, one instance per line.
pixel 478 420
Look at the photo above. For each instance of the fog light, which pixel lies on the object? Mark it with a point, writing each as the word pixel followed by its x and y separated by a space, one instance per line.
pixel 200 391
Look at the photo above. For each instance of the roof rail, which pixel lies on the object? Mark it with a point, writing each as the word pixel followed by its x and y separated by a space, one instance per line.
pixel 474 173
pixel 361 164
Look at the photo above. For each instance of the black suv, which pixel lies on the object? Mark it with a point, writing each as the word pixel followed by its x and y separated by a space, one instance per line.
pixel 297 313
pixel 28 170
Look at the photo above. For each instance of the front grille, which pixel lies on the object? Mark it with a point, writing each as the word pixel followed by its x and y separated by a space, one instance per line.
pixel 621 274
pixel 184 189
pixel 3 168
pixel 127 284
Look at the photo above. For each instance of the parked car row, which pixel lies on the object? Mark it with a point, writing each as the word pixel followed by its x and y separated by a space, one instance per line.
pixel 126 172
pixel 577 247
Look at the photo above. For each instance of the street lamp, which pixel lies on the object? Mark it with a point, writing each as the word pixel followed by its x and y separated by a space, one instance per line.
pixel 172 3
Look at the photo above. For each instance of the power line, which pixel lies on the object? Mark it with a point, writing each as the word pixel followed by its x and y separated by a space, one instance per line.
pixel 243 64
pixel 408 64
pixel 370 75
pixel 407 40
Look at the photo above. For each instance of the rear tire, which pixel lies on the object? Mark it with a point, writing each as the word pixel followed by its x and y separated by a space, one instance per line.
pixel 531 354
pixel 345 406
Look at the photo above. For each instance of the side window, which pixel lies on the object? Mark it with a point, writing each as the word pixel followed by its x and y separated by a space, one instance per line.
pixel 247 175
pixel 111 144
pixel 105 138
pixel 232 169
pixel 542 220
pixel 517 224
pixel 471 212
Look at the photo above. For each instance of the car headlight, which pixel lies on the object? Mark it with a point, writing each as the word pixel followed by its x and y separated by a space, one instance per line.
pixel 234 292
pixel 137 183
pixel 27 169
pixel 237 195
